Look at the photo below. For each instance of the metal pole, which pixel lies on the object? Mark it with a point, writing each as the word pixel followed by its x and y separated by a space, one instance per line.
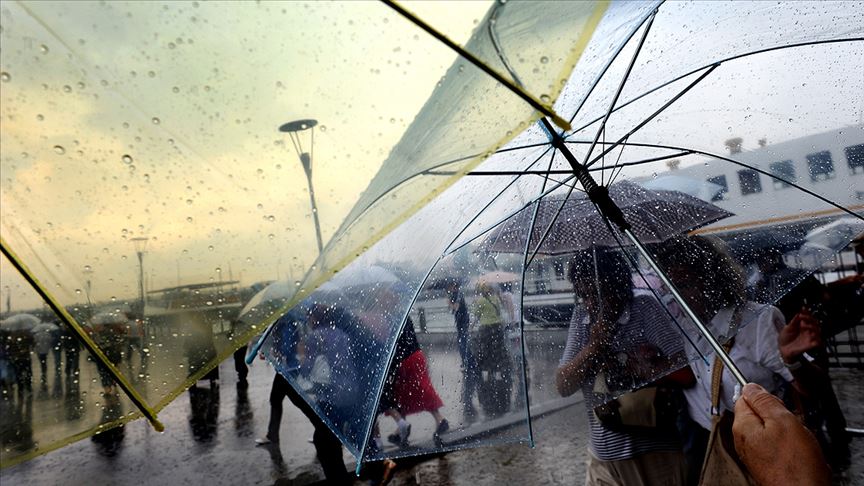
pixel 306 159
pixel 141 280
pixel 599 195
pixel 703 329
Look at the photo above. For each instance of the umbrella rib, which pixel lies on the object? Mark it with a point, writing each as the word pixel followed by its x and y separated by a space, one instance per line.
pixel 82 335
pixel 392 353
pixel 618 165
pixel 651 13
pixel 525 383
pixel 566 181
pixel 686 151
pixel 548 229
pixel 496 44
pixel 511 214
pixel 447 250
pixel 653 115
pixel 617 168
pixel 624 79
pixel 513 87
pixel 728 59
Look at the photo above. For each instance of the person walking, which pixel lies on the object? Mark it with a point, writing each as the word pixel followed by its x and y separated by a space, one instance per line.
pixel 456 303
pixel 328 448
pixel 605 349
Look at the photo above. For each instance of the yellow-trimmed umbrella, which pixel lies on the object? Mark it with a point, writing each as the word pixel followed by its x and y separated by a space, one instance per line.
pixel 159 159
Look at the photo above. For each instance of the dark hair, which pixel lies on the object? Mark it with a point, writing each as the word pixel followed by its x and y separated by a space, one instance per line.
pixel 706 259
pixel 608 269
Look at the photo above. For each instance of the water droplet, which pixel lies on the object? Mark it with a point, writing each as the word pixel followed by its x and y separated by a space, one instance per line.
pixel 67 88
pixel 271 218
pixel 40 117
pixel 5 77
pixel 545 98
pixel 544 60
pixel 175 89
pixel 58 149
pixel 189 219
pixel 152 74
pixel 171 45
pixel 81 85
pixel 127 159
pixel 271 236
pixel 210 247
pixel 156 120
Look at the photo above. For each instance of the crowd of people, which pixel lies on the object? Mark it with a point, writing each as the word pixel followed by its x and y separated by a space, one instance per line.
pixel 771 350
pixel 627 340
pixel 626 335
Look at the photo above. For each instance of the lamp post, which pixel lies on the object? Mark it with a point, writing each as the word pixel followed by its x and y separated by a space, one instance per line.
pixel 294 130
pixel 140 245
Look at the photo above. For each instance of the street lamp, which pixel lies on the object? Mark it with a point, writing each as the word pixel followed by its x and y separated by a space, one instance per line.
pixel 294 129
pixel 140 245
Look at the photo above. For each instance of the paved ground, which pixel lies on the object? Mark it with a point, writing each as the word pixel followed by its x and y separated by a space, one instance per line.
pixel 209 440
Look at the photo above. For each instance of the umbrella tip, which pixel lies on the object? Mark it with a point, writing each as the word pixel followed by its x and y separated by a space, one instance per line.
pixel 561 123
pixel 157 425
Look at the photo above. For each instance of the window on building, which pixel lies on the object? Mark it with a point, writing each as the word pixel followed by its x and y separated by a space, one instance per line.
pixel 855 157
pixel 785 170
pixel 821 166
pixel 720 181
pixel 749 180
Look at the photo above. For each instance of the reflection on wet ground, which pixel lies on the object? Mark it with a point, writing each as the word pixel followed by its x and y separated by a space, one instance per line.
pixel 209 438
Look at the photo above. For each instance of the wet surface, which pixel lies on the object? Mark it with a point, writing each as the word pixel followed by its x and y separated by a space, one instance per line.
pixel 210 434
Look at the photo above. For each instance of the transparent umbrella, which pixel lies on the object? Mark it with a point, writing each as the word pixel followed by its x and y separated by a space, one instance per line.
pixel 671 91
pixel 200 195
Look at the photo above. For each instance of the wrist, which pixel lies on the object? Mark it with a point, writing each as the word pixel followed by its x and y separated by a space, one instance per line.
pixel 790 362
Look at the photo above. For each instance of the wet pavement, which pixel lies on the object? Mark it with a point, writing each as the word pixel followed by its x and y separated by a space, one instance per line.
pixel 210 432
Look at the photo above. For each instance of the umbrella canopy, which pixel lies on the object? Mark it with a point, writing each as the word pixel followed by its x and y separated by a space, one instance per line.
pixel 176 123
pixel 20 322
pixel 199 148
pixel 45 327
pixel 666 93
pixel 575 224
pixel 837 234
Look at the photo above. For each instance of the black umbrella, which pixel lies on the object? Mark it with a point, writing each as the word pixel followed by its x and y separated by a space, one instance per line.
pixel 574 224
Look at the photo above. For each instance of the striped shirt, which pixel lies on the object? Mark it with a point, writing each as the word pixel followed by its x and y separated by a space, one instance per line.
pixel 644 325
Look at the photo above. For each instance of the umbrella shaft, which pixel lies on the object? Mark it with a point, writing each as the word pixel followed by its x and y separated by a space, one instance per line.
pixel 598 194
pixel 715 345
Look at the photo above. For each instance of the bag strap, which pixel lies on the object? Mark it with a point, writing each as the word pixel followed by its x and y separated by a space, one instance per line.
pixel 717 370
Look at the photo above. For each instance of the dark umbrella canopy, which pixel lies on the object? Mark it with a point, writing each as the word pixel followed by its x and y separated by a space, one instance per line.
pixel 575 224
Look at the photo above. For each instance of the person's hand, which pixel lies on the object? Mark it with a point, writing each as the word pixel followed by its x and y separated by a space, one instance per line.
pixel 802 334
pixel 774 445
